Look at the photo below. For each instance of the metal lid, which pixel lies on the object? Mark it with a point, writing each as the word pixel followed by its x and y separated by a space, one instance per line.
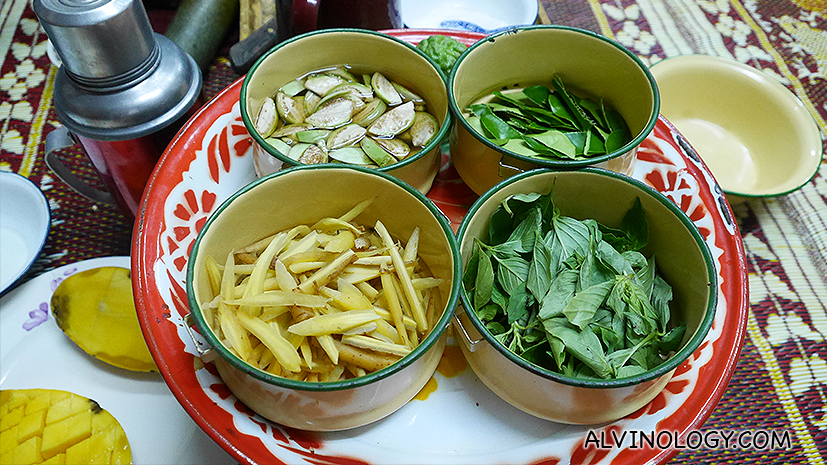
pixel 133 109
pixel 97 39
pixel 118 79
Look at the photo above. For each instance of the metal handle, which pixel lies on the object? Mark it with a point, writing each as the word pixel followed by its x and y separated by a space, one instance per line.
pixel 59 139
pixel 464 324
pixel 207 355
pixel 502 165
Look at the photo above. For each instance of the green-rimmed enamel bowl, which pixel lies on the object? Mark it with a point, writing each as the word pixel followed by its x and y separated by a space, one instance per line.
pixel 590 65
pixel 755 135
pixel 304 195
pixel 366 52
pixel 683 260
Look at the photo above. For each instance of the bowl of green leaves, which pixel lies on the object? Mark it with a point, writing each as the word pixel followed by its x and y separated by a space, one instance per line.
pixel 583 291
pixel 547 96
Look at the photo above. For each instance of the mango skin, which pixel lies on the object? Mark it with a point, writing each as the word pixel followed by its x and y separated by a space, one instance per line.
pixel 96 310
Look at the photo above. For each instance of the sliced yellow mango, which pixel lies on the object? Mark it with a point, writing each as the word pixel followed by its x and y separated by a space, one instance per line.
pixel 46 426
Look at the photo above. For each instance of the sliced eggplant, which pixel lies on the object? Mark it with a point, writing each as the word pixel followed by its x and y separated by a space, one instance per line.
pixel 376 153
pixel 407 94
pixel 393 121
pixel 311 102
pixel 372 110
pixel 267 119
pixel 333 114
pixel 343 73
pixel 347 135
pixel 322 83
pixel 395 147
pixel 423 128
pixel 290 109
pixel 290 130
pixel 297 151
pixel 312 155
pixel 352 155
pixel 384 89
pixel 293 88
pixel 311 136
pixel 281 146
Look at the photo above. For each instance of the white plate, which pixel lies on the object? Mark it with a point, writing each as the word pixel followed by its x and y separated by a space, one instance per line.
pixel 483 16
pixel 24 226
pixel 34 353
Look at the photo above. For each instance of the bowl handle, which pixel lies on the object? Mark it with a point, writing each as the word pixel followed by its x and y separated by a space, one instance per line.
pixel 207 355
pixel 503 165
pixel 469 338
pixel 59 139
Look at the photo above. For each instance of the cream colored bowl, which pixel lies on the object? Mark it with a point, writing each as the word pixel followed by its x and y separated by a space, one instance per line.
pixel 682 257
pixel 367 51
pixel 589 65
pixel 304 195
pixel 756 136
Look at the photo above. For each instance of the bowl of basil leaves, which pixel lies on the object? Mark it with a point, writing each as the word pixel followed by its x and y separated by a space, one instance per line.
pixel 583 291
pixel 547 96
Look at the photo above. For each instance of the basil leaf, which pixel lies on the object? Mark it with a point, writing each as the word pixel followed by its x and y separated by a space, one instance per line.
pixel 484 282
pixel 559 294
pixel 574 236
pixel 661 296
pixel 539 270
pixel 469 276
pixel 512 272
pixel 518 204
pixel 671 341
pixel 582 344
pixel 636 227
pixel 488 311
pixel 527 230
pixel 510 248
pixel 611 258
pixel 498 297
pixel 581 308
pixel 517 308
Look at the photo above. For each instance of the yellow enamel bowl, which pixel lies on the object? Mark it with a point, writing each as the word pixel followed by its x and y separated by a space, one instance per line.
pixel 282 200
pixel 757 138
pixel 683 260
pixel 365 51
pixel 590 65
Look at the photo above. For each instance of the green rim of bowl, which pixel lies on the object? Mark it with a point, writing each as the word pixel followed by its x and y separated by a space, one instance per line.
pixel 673 362
pixel 558 164
pixel 248 121
pixel 771 82
pixel 436 332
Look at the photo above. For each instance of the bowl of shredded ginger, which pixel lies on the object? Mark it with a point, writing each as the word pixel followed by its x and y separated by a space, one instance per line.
pixel 324 293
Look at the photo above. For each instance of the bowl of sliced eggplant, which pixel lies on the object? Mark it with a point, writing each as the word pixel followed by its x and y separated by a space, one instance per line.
pixel 347 96
pixel 551 97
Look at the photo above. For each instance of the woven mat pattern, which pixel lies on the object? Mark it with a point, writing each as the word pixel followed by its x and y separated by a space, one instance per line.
pixel 781 379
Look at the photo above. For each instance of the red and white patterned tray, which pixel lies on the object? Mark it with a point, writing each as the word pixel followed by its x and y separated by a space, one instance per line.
pixel 456 419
